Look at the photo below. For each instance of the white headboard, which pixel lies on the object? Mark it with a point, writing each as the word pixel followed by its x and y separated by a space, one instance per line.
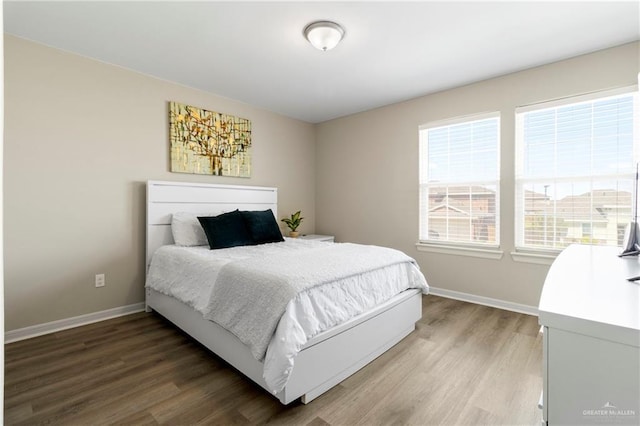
pixel 166 198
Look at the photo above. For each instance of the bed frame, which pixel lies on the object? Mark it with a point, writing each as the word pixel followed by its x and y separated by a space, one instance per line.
pixel 325 360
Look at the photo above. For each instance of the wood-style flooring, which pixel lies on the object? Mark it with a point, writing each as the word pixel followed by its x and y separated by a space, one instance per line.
pixel 465 364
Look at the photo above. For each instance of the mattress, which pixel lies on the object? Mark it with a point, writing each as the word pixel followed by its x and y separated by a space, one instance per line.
pixel 190 274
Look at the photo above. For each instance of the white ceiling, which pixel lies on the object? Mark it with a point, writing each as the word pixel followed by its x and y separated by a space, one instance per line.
pixel 392 51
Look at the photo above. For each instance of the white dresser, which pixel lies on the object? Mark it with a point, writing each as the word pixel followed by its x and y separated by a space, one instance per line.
pixel 591 319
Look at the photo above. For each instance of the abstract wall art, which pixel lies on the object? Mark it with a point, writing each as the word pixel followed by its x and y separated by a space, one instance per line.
pixel 209 143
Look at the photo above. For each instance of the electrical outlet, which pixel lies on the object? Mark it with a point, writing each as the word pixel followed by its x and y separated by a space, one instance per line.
pixel 99 280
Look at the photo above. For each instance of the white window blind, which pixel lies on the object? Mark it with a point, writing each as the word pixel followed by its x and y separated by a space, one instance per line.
pixel 575 168
pixel 459 181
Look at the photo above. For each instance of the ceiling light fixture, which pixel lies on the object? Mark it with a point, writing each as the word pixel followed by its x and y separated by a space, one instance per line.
pixel 324 35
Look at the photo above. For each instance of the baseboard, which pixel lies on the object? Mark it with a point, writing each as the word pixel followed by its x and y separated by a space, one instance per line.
pixel 486 301
pixel 54 326
pixel 63 324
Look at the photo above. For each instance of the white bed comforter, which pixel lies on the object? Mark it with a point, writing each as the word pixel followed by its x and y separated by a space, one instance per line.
pixel 189 274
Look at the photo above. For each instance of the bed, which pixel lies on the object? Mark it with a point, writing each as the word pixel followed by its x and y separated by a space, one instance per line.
pixel 324 360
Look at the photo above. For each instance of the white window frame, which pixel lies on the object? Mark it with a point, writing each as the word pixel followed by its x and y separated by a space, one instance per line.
pixel 482 250
pixel 524 253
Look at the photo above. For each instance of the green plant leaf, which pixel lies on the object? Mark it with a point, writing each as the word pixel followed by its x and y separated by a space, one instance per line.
pixel 294 221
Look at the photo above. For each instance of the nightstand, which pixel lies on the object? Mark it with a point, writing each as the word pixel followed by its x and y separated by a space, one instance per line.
pixel 328 238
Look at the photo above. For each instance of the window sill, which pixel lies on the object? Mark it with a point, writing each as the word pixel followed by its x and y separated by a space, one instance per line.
pixel 531 257
pixel 484 253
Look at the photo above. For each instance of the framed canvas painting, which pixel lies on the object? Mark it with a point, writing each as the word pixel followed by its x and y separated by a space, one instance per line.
pixel 208 142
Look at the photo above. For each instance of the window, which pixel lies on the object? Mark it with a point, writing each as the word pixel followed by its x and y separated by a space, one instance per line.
pixel 459 181
pixel 575 168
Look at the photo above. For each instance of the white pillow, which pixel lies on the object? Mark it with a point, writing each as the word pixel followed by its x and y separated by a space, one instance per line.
pixel 186 229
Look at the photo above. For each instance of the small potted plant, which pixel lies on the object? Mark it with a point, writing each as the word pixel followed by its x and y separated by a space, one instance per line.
pixel 293 222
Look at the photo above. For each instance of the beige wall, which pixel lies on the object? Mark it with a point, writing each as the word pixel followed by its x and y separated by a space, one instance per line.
pixel 81 140
pixel 367 169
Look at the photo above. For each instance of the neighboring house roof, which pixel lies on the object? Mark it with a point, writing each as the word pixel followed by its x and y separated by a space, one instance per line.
pixel 576 209
pixel 446 210
pixel 460 190
pixel 608 198
pixel 593 206
pixel 459 207
pixel 477 201
pixel 534 201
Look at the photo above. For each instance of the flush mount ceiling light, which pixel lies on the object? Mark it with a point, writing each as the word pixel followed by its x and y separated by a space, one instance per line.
pixel 324 35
